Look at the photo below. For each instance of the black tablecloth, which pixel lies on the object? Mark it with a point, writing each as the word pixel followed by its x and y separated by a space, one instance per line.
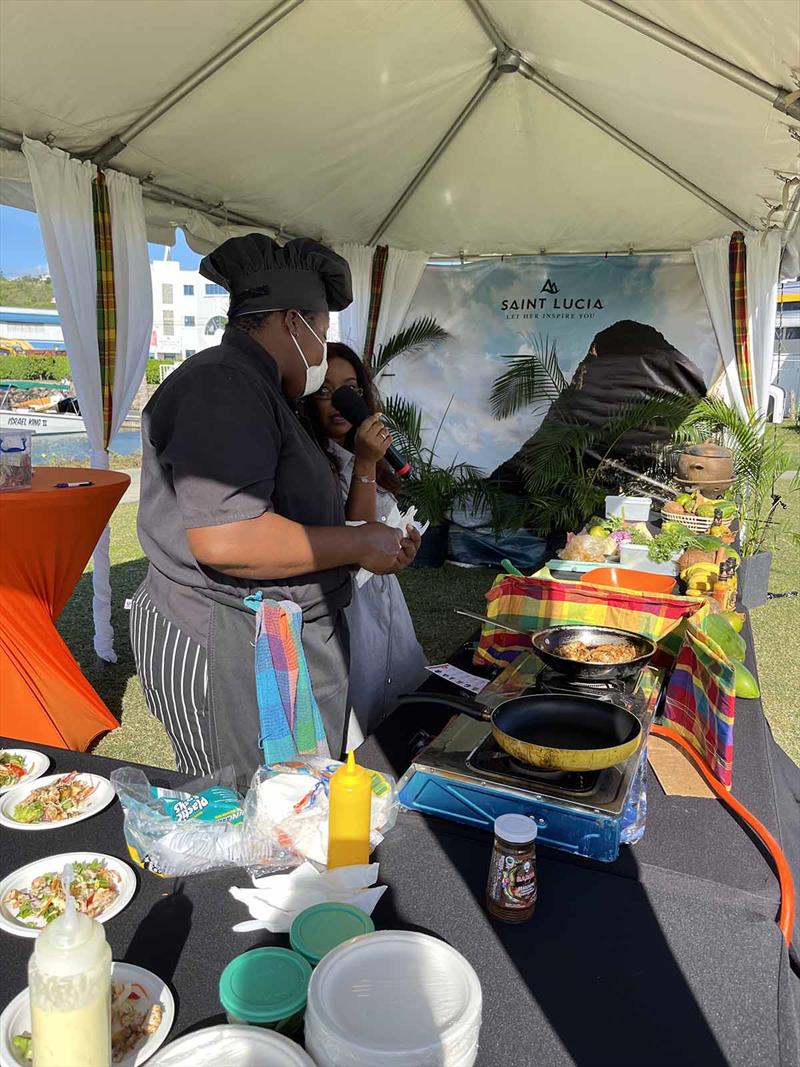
pixel 670 955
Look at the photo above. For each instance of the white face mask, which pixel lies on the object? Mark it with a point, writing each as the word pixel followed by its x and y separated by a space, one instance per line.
pixel 315 375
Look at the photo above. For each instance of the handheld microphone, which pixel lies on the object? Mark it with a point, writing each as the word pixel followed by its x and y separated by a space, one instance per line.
pixel 352 407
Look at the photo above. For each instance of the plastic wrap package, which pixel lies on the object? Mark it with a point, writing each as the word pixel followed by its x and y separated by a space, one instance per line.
pixel 289 802
pixel 200 828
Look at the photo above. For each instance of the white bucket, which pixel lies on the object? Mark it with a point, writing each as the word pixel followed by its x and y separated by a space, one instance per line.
pixel 394 999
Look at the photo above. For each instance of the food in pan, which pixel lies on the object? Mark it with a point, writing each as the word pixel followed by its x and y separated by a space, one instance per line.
pixel 134 1017
pixel 12 768
pixel 621 652
pixel 94 888
pixel 55 802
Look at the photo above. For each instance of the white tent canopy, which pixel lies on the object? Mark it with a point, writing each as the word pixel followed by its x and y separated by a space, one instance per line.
pixel 474 126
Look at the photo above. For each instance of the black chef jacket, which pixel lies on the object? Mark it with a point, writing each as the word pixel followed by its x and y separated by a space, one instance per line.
pixel 220 444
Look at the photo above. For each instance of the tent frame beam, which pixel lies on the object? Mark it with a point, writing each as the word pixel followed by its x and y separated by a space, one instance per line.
pixel 529 72
pixel 532 75
pixel 489 80
pixel 114 145
pixel 153 191
pixel 779 98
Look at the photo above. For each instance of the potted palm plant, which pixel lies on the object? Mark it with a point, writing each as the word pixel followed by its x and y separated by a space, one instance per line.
pixel 432 487
pixel 759 461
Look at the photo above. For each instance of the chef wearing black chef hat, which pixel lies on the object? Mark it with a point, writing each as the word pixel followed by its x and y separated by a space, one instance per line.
pixel 236 497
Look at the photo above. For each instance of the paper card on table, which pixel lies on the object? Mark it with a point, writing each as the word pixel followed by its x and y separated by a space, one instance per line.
pixel 677 774
pixel 471 682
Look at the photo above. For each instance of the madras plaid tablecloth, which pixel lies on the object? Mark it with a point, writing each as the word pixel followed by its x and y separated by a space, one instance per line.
pixel 700 698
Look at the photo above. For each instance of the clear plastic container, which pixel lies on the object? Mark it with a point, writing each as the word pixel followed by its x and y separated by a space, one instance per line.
pixel 16 465
pixel 630 508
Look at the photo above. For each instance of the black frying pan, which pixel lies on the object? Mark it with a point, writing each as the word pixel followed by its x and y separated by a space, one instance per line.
pixel 558 731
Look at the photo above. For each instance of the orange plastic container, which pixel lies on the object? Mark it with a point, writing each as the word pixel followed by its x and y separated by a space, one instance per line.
pixel 622 578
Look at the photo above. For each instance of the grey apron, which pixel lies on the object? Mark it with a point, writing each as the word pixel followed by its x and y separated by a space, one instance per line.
pixel 231 695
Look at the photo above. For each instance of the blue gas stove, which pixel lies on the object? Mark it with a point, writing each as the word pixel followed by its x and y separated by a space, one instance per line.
pixel 464 776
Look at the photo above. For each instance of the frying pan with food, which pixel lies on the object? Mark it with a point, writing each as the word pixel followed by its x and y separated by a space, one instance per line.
pixel 546 644
pixel 553 731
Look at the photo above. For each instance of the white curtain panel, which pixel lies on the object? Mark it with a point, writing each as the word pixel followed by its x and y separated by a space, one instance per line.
pixel 711 259
pixel 62 189
pixel 403 274
pixel 353 320
pixel 763 267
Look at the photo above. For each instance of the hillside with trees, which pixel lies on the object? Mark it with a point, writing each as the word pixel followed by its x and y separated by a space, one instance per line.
pixel 26 291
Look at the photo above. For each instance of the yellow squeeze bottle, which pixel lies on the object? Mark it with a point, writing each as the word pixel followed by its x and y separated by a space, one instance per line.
pixel 349 815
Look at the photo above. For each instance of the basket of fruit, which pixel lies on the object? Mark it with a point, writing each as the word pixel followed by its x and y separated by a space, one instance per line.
pixel 696 511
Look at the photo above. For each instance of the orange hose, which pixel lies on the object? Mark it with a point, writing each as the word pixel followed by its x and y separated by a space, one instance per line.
pixel 786 912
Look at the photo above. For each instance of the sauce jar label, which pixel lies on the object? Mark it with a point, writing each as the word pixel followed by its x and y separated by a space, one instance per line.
pixel 512 881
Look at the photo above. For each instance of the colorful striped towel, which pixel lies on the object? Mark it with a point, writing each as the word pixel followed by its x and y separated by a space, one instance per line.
pixel 701 700
pixel 290 719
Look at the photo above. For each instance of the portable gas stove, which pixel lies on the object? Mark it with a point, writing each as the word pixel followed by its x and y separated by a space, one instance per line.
pixel 463 775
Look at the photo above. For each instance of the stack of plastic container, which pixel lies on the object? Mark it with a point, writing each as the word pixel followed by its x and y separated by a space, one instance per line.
pixel 393 999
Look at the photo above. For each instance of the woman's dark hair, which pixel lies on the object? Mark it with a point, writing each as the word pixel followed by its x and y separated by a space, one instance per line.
pixel 337 350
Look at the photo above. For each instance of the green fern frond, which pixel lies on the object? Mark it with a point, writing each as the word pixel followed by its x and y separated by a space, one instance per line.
pixel 530 379
pixel 421 333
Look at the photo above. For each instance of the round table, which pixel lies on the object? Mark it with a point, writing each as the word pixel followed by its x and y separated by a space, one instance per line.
pixel 47 536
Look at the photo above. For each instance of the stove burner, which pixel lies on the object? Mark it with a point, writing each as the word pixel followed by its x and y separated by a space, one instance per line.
pixel 550 681
pixel 491 758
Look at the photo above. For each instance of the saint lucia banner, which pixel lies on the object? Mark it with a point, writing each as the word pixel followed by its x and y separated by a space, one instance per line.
pixel 494 307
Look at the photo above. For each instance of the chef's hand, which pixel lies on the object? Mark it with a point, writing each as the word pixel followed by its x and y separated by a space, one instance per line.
pixel 380 547
pixel 372 440
pixel 409 546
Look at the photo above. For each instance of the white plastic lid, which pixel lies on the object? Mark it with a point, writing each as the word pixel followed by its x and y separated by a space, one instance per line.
pixel 235 1046
pixel 516 829
pixel 395 996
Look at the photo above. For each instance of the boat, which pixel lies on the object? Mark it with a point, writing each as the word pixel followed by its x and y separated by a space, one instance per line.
pixel 39 415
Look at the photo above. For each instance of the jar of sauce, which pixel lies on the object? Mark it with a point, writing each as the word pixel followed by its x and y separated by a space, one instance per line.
pixel 511 889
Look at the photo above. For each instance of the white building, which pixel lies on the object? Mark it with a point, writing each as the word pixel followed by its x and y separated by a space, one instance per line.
pixel 189 312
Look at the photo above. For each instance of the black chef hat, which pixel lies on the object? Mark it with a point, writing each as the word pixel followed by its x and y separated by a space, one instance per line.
pixel 262 275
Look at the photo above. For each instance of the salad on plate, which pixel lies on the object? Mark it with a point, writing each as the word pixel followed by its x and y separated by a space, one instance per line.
pixel 95 887
pixel 55 802
pixel 12 768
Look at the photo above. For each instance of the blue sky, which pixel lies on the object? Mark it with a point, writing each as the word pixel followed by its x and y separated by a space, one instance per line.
pixel 22 249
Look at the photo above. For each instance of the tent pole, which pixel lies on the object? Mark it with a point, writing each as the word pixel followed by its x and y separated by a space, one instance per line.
pixel 792 218
pixel 114 145
pixel 12 140
pixel 487 24
pixel 437 153
pixel 532 75
pixel 773 93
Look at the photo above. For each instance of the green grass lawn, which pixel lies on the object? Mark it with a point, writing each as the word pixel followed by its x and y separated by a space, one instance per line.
pixel 789 436
pixel 432 596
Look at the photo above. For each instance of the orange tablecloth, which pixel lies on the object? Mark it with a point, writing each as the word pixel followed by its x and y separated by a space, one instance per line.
pixel 47 536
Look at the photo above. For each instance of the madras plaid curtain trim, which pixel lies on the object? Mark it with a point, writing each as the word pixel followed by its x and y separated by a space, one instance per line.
pixel 737 269
pixel 375 298
pixel 106 298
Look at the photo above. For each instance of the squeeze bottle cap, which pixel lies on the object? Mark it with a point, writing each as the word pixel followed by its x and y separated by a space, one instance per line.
pixel 72 943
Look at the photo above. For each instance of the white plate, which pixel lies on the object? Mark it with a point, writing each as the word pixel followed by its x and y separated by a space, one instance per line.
pixel 99 799
pixel 22 879
pixel 36 762
pixel 246 1046
pixel 16 1018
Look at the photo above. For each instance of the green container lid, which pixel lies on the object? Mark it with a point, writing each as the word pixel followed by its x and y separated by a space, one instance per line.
pixel 265 985
pixel 322 927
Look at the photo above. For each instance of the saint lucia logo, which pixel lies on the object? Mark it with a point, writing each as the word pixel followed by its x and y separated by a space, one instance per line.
pixel 549 287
